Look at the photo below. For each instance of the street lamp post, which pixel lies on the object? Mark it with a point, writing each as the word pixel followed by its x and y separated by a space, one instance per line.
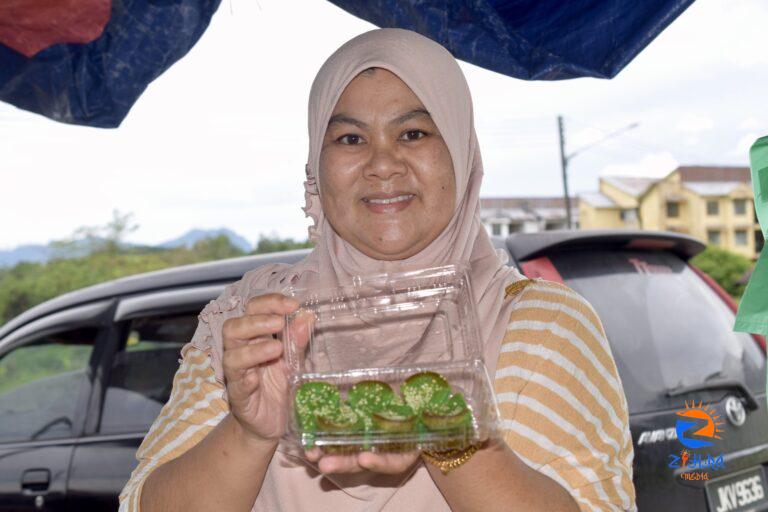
pixel 564 167
pixel 566 157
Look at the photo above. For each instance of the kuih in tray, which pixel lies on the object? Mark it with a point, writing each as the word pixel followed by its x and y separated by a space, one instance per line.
pixel 393 364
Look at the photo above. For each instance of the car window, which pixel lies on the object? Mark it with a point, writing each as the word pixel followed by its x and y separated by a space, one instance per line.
pixel 666 327
pixel 141 377
pixel 40 384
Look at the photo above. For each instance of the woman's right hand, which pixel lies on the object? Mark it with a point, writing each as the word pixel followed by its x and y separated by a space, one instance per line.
pixel 255 373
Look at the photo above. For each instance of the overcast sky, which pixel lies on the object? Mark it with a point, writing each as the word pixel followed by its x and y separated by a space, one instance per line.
pixel 220 139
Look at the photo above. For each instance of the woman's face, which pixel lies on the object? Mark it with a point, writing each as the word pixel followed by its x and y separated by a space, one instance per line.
pixel 386 176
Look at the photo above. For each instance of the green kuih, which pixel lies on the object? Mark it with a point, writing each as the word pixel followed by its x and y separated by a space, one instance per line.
pixel 446 413
pixel 340 420
pixel 419 389
pixel 379 418
pixel 395 419
pixel 315 399
pixel 440 398
pixel 367 397
pixel 370 396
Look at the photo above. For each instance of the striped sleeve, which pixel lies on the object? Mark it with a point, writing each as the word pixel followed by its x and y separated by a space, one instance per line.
pixel 196 405
pixel 562 404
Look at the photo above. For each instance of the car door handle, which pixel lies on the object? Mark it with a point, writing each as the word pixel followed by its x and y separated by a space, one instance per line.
pixel 36 480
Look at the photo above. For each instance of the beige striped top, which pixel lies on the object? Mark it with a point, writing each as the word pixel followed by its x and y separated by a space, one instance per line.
pixel 563 408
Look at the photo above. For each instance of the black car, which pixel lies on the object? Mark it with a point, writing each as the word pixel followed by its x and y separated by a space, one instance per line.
pixel 83 376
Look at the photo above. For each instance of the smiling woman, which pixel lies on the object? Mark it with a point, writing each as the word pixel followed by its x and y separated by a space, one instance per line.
pixel 385 169
pixel 393 181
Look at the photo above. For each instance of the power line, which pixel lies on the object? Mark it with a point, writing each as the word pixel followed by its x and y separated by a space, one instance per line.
pixel 635 145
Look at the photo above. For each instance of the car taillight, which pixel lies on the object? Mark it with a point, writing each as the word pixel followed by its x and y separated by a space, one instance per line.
pixel 725 297
pixel 541 267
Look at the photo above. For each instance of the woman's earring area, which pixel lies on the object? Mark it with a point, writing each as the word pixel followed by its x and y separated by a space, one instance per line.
pixel 311 181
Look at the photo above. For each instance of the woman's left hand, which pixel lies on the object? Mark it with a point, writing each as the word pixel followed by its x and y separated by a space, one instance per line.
pixel 387 463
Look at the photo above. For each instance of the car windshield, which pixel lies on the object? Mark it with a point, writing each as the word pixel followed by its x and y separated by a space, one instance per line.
pixel 666 327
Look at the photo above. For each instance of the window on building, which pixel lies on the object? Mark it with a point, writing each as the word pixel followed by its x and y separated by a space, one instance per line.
pixel 515 227
pixel 740 206
pixel 495 229
pixel 713 237
pixel 552 225
pixel 673 209
pixel 713 207
pixel 629 215
pixel 741 236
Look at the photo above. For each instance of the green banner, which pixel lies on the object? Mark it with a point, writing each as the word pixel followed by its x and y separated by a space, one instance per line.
pixel 753 308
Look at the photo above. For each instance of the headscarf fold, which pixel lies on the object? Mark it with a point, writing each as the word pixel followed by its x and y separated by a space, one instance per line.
pixel 435 77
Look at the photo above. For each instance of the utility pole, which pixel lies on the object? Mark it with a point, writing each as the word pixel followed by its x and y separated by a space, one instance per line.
pixel 565 158
pixel 564 167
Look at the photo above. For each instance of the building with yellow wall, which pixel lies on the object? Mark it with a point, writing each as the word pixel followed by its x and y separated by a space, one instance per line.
pixel 713 204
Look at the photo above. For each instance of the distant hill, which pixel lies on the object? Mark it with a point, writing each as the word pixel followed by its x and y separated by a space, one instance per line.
pixel 39 253
pixel 34 253
pixel 189 238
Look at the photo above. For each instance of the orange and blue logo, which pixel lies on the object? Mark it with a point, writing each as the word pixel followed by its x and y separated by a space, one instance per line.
pixel 698 426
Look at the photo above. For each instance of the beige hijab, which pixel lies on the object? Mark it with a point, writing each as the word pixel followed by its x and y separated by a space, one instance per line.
pixel 437 80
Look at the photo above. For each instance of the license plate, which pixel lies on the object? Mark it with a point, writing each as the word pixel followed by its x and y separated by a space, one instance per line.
pixel 742 491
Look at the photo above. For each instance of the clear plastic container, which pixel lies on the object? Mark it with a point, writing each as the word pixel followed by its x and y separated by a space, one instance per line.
pixel 388 329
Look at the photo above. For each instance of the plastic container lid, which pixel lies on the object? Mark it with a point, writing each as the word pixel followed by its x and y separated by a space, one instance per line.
pixel 387 328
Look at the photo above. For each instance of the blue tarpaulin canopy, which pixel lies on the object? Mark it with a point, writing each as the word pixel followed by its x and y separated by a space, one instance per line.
pixel 97 83
pixel 531 39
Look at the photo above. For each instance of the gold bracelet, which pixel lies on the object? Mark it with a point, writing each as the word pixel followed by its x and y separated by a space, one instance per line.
pixel 449 459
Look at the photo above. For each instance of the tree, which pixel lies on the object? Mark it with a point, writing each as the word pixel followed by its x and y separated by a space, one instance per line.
pixel 724 267
pixel 216 248
pixel 117 229
pixel 275 243
pixel 92 239
pixel 94 254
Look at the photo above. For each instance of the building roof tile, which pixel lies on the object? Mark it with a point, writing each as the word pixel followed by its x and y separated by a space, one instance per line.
pixel 632 185
pixel 598 200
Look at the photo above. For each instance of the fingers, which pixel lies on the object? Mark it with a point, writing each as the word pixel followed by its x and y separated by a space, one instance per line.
pixel 244 357
pixel 271 303
pixel 301 327
pixel 249 382
pixel 264 315
pixel 387 463
pixel 237 330
pixel 313 454
pixel 339 464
